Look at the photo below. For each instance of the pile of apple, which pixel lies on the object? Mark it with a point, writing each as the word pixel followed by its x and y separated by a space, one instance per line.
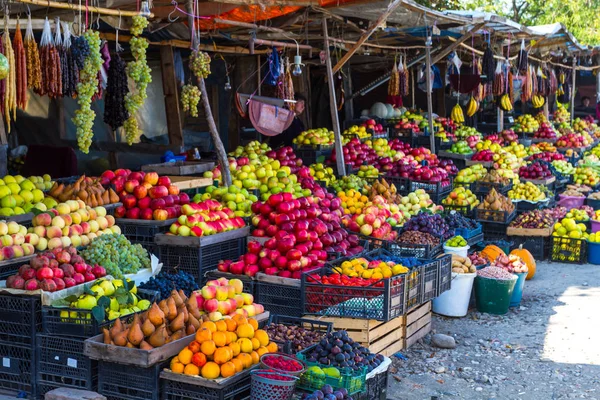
pixel 303 220
pixel 15 242
pixel 448 165
pixel 470 174
pixel 518 150
pixel 383 149
pixel 70 223
pixel 407 126
pixel 422 154
pixel 545 132
pixel 546 147
pixel 483 156
pixel 447 123
pixel 586 176
pixel 286 157
pixel 509 136
pixel 375 221
pixel 574 140
pixel 356 154
pixel 145 195
pixel 234 198
pixel 374 126
pixel 251 150
pixel 535 170
pixel 399 146
pixel 221 297
pixel 54 270
pixel 546 156
pixel 311 137
pixel 429 175
pixel 461 147
pixel 507 161
pixel 205 218
pixel 494 138
pixel 526 123
pixel 488 144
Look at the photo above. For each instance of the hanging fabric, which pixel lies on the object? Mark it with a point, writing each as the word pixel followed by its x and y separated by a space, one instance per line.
pixel 268 119
pixel 436 79
pixel 273 68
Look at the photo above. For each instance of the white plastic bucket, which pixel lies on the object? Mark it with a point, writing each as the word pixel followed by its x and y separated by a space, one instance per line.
pixel 455 302
pixel 459 251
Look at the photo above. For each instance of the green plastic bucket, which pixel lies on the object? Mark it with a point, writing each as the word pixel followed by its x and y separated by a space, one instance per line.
pixel 492 296
pixel 517 294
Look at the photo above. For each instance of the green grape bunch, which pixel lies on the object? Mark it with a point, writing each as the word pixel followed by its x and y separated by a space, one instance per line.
pixel 139 71
pixel 138 25
pixel 190 97
pixel 86 89
pixel 200 64
pixel 117 255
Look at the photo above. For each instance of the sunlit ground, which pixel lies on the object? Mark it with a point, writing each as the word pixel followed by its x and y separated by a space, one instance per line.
pixel 573 332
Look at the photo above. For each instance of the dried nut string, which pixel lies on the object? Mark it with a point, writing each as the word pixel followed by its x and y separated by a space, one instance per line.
pixel 2 84
pixel 21 64
pixel 10 96
pixel 34 73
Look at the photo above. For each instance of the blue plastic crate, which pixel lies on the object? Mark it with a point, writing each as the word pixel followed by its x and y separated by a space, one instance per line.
pixel 468 233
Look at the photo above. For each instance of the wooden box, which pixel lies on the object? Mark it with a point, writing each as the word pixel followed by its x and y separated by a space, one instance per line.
pixel 180 167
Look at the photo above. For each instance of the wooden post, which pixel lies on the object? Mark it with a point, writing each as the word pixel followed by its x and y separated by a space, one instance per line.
pixel 546 107
pixel 335 120
pixel 212 127
pixel 573 80
pixel 429 94
pixel 171 94
pixel 348 103
pixel 500 119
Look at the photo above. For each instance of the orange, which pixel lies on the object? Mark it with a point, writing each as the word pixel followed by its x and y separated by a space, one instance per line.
pixel 228 369
pixel 239 366
pixel 262 350
pixel 220 339
pixel 178 368
pixel 235 348
pixel 245 331
pixel 199 359
pixel 239 319
pixel 255 343
pixel 175 360
pixel 210 325
pixel 253 322
pixel 272 347
pixel 211 370
pixel 221 326
pixel 245 345
pixel 208 347
pixel 231 337
pixel 194 346
pixel 246 359
pixel 255 357
pixel 222 355
pixel 203 334
pixel 231 324
pixel 262 336
pixel 191 369
pixel 185 356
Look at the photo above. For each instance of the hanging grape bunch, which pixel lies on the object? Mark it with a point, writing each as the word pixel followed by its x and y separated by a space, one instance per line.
pixel 86 88
pixel 190 96
pixel 80 49
pixel 139 72
pixel 115 113
pixel 200 64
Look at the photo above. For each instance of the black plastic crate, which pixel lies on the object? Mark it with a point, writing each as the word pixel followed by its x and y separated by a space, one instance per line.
pixel 444 274
pixel 528 206
pixel 437 191
pixel 18 369
pixel 413 290
pixel 10 267
pixel 246 280
pixel 412 250
pixel 309 324
pixel 20 319
pixel 402 184
pixel 126 382
pixel 279 298
pixel 197 261
pixel 497 217
pixel 74 322
pixel 375 388
pixel 475 239
pixel 61 363
pixel 142 233
pixel 538 246
pixel 430 277
pixel 176 390
pixel 383 300
pixel 595 204
pixel 493 231
pixel 568 250
pixel 483 188
pixel 467 210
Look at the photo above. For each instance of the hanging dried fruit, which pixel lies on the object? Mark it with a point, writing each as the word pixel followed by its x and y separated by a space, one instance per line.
pixel 34 73
pixel 21 64
pixel 115 112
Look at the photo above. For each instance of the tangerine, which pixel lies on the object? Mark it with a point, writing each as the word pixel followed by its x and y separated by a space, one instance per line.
pixel 221 326
pixel 262 336
pixel 239 366
pixel 255 357
pixel 191 369
pixel 245 345
pixel 262 350
pixel 272 347
pixel 220 339
pixel 239 319
pixel 235 348
pixel 185 356
pixel 231 337
pixel 253 322
pixel 246 359
pixel 245 331
pixel 210 325
pixel 255 343
pixel 222 355
pixel 231 325
pixel 194 346
pixel 211 370
pixel 208 347
pixel 228 369
pixel 203 334
pixel 177 367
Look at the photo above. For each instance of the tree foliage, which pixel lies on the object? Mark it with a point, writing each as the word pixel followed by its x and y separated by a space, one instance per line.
pixel 579 17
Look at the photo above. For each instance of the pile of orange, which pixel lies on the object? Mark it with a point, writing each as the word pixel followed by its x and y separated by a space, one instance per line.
pixel 223 348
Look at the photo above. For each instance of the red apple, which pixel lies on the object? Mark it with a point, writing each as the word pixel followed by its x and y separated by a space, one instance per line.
pixel 133 213
pixel 140 192
pixel 157 192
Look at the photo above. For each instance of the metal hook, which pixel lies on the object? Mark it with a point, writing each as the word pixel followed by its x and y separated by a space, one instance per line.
pixel 174 3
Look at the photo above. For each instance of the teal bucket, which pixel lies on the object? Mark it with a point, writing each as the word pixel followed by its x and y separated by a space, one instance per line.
pixel 594 253
pixel 493 295
pixel 517 294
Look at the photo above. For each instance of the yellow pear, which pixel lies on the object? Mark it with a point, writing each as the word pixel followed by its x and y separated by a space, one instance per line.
pixel 178 323
pixel 148 328
pixel 156 315
pixel 135 335
pixel 158 338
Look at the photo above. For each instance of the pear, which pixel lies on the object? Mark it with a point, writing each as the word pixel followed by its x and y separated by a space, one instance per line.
pixel 178 335
pixel 107 338
pixel 158 338
pixel 182 310
pixel 164 308
pixel 193 321
pixel 129 345
pixel 145 345
pixel 182 295
pixel 172 309
pixel 121 338
pixel 135 335
pixel 178 323
pixel 156 315
pixel 175 296
pixel 148 328
pixel 190 330
pixel 116 328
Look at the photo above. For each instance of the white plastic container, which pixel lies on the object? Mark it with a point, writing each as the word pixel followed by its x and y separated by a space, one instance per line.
pixel 459 251
pixel 455 302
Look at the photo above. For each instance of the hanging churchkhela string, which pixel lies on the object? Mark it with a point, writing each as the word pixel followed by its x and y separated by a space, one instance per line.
pixel 10 91
pixel 21 65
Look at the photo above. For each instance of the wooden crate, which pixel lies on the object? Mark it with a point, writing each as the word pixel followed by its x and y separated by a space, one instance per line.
pixel 386 338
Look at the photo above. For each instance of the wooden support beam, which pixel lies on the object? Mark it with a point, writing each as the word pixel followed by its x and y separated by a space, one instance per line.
pixel 573 82
pixel 171 96
pixel 76 7
pixel 271 3
pixel 440 56
pixel 335 119
pixel 366 35
pixel 248 25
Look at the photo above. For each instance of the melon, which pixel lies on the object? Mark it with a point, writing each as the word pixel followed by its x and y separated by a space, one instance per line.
pixel 364 113
pixel 390 111
pixel 379 110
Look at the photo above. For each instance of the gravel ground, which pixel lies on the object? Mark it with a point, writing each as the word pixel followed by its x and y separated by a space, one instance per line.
pixel 549 348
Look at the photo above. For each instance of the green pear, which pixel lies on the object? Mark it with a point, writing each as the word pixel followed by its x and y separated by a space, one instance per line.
pixel 86 302
pixel 108 287
pixel 113 315
pixel 114 304
pixel 143 304
pixel 98 290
